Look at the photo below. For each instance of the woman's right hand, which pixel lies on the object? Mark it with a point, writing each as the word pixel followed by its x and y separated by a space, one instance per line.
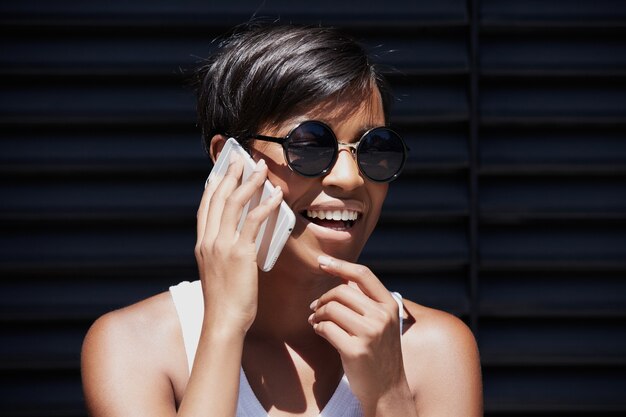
pixel 227 259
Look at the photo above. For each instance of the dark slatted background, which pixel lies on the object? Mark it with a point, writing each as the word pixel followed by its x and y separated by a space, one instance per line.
pixel 512 212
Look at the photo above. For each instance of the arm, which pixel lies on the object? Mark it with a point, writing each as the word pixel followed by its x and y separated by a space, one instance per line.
pixel 443 360
pixel 123 376
pixel 436 374
pixel 229 273
pixel 360 319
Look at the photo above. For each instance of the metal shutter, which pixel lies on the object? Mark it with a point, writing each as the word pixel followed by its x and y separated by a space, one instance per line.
pixel 511 213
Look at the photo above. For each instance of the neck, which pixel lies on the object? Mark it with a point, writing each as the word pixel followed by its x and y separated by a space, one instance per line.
pixel 283 309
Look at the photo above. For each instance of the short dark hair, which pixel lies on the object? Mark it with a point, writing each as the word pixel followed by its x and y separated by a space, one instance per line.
pixel 265 73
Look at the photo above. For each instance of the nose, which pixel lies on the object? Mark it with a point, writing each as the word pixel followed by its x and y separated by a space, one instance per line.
pixel 345 173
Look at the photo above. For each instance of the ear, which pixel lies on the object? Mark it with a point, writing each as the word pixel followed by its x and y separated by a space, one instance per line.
pixel 216 146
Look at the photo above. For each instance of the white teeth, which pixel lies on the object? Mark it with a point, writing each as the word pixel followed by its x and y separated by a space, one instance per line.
pixel 337 215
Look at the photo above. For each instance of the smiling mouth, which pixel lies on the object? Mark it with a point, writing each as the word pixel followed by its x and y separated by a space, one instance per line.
pixel 332 219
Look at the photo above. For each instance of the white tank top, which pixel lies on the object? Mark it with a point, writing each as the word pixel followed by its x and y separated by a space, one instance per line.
pixel 189 304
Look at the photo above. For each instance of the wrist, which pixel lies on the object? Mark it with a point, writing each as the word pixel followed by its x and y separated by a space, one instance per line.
pixel 222 331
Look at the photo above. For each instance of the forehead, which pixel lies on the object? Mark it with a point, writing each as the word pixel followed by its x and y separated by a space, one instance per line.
pixel 364 110
pixel 368 110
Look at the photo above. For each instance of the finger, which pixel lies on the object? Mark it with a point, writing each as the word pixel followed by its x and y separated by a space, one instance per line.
pixel 347 295
pixel 241 196
pixel 203 208
pixel 226 186
pixel 259 214
pixel 350 321
pixel 357 273
pixel 335 335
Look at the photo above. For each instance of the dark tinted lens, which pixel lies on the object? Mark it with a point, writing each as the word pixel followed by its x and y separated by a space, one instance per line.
pixel 311 149
pixel 381 154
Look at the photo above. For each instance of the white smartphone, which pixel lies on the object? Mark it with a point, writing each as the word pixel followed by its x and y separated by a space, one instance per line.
pixel 277 227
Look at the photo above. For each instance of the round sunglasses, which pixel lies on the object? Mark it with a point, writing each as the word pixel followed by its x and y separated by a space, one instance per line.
pixel 311 149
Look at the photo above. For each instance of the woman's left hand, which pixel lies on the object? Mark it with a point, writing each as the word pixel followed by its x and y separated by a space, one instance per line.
pixel 360 318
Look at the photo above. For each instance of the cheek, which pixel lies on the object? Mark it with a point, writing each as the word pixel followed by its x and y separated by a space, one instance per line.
pixel 279 173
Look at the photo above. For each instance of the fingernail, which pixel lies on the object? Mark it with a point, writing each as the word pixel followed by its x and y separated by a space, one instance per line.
pixel 310 319
pixel 232 158
pixel 259 165
pixel 324 260
pixel 313 305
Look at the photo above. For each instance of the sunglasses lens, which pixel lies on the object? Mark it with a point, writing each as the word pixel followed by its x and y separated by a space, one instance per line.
pixel 381 154
pixel 311 149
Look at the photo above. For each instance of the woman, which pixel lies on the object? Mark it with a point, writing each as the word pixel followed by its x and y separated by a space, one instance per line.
pixel 318 334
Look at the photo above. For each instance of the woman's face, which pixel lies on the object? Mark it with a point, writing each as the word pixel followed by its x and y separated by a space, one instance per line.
pixel 343 188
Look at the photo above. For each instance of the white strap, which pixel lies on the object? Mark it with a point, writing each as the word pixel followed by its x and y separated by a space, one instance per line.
pixel 187 297
pixel 398 298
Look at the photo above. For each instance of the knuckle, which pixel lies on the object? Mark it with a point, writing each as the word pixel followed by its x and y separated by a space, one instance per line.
pixel 362 270
pixel 255 215
pixel 240 252
pixel 330 308
pixel 232 200
pixel 385 315
pixel 219 248
pixel 206 246
pixel 343 290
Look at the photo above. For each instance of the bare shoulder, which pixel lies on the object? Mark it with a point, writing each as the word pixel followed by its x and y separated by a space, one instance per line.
pixel 132 352
pixel 435 329
pixel 442 361
pixel 137 327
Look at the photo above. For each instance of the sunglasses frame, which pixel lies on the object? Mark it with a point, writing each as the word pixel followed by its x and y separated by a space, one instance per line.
pixel 354 150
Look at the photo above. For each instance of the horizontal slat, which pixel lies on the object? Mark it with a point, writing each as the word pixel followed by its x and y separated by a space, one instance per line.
pixel 427 193
pixel 573 390
pixel 594 99
pixel 574 243
pixel 420 242
pixel 73 147
pixel 552 11
pixel 439 146
pixel 449 9
pixel 161 53
pixel 552 342
pixel 549 52
pixel 61 244
pixel 95 101
pixel 83 294
pixel 541 121
pixel 445 290
pixel 599 194
pixel 41 393
pixel 429 98
pixel 568 293
pixel 41 345
pixel 38 52
pixel 409 51
pixel 101 194
pixel 555 146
